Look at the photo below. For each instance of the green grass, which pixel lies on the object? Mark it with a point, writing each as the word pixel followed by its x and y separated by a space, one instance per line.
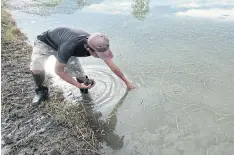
pixel 11 33
pixel 9 29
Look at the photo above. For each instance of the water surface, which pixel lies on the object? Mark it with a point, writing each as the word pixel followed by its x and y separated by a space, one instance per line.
pixel 180 54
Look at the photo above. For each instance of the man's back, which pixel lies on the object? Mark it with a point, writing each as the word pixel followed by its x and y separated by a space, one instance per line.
pixel 56 37
pixel 67 42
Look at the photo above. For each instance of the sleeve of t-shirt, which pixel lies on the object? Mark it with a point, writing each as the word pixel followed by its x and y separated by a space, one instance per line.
pixel 65 52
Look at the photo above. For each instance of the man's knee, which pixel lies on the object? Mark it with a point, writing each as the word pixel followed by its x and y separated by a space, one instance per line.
pixel 37 62
pixel 36 66
pixel 39 77
pixel 36 71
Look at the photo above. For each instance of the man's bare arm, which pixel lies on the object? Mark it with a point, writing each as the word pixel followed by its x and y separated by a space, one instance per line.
pixel 59 70
pixel 119 73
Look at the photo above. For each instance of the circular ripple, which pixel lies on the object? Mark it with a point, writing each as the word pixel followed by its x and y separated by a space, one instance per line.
pixel 108 86
pixel 106 92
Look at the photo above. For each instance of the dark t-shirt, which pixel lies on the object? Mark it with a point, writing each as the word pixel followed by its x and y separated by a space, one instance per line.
pixel 67 42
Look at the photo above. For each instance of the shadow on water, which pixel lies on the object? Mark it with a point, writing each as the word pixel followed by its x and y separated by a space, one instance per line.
pixel 105 129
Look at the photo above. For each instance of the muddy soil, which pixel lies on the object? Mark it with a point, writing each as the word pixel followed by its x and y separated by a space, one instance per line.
pixel 53 127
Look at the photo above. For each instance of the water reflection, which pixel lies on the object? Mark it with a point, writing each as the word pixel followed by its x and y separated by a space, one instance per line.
pixel 47 7
pixel 210 13
pixel 105 129
pixel 49 3
pixel 81 3
pixel 140 8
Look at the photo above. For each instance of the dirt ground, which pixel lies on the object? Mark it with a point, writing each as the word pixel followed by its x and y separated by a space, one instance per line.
pixel 53 127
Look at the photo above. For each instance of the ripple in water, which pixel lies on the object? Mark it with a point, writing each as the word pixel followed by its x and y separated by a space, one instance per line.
pixel 107 92
pixel 108 86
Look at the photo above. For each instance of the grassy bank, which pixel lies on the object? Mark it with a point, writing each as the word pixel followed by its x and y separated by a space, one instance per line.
pixel 54 127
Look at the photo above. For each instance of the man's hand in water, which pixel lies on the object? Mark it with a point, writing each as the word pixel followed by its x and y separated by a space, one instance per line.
pixel 59 70
pixel 119 73
pixel 131 86
pixel 83 86
pixel 86 85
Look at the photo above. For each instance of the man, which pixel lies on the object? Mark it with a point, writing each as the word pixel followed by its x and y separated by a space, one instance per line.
pixel 66 44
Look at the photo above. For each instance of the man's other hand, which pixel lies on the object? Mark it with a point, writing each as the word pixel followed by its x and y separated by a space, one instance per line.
pixel 85 86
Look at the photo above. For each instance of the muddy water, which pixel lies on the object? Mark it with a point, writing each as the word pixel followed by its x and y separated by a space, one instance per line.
pixel 180 54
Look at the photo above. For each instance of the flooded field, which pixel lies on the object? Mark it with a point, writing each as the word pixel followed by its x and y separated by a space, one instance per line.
pixel 179 54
